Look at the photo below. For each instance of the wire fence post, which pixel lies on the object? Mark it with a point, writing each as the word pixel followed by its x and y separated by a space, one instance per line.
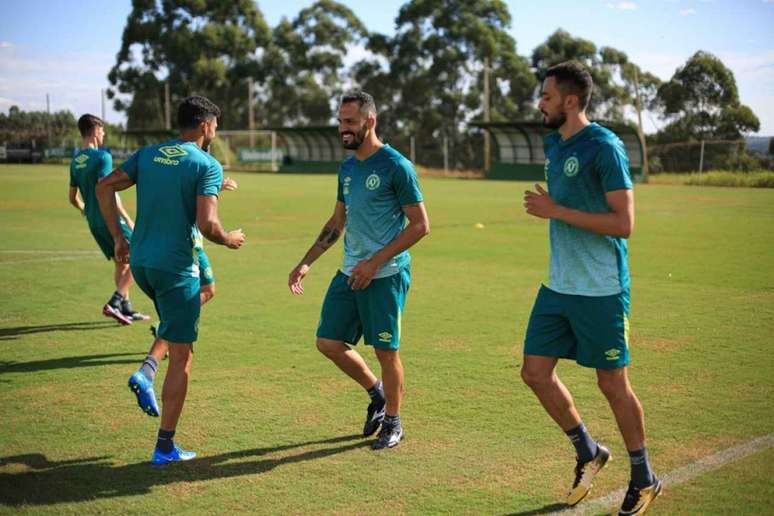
pixel 413 153
pixel 445 155
pixel 701 157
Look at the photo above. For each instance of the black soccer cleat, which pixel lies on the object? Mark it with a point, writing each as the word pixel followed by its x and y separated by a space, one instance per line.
pixel 374 418
pixel 638 499
pixel 389 437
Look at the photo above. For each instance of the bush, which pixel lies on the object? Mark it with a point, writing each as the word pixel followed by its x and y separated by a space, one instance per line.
pixel 721 178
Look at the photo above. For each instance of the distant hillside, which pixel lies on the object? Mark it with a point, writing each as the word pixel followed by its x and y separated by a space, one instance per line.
pixel 759 144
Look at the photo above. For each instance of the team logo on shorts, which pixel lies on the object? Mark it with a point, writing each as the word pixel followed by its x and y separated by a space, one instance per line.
pixel 385 336
pixel 571 167
pixel 613 354
pixel 373 182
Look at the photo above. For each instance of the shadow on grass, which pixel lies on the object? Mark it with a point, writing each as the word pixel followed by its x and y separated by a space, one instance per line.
pixel 547 509
pixel 94 478
pixel 13 333
pixel 68 362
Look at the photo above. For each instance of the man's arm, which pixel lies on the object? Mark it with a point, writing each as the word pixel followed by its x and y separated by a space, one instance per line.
pixel 619 222
pixel 106 196
pixel 331 232
pixel 417 228
pixel 75 199
pixel 208 222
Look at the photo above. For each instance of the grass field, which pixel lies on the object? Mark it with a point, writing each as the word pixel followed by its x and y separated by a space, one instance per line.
pixel 275 423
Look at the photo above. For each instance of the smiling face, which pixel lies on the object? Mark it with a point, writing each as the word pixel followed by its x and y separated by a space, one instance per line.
pixel 353 125
pixel 552 105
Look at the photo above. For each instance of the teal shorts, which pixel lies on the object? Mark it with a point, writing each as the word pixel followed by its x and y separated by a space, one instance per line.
pixel 105 240
pixel 594 331
pixel 373 313
pixel 206 276
pixel 176 297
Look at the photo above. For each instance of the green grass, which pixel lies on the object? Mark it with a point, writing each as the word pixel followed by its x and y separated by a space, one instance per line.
pixel 759 179
pixel 275 423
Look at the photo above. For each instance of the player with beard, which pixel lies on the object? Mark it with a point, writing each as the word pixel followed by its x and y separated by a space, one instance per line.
pixel 177 192
pixel 582 311
pixel 380 210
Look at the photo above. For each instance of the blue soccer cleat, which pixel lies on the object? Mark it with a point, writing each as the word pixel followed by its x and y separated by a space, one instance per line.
pixel 176 455
pixel 146 397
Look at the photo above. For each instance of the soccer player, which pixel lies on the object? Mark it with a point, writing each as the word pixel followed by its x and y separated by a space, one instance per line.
pixel 177 191
pixel 378 192
pixel 582 312
pixel 89 165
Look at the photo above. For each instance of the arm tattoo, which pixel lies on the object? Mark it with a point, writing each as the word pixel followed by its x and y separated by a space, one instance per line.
pixel 327 238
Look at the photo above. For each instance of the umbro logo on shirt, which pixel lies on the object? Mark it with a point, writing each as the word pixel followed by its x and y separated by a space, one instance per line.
pixel 169 152
pixel 81 161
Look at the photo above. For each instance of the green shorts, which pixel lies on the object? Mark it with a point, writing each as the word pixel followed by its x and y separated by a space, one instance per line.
pixel 176 297
pixel 373 313
pixel 105 240
pixel 592 330
pixel 206 276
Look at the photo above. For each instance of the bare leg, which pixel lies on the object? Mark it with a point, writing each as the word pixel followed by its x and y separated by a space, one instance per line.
pixel 348 360
pixel 392 376
pixel 614 384
pixel 175 383
pixel 539 373
pixel 123 278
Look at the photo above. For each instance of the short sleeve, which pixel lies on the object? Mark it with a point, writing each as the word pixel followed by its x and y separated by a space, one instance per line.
pixel 405 183
pixel 339 190
pixel 613 166
pixel 211 180
pixel 106 165
pixel 130 165
pixel 73 182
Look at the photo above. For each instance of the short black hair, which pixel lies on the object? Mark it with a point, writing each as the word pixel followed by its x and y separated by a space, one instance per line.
pixel 572 78
pixel 364 101
pixel 87 123
pixel 194 110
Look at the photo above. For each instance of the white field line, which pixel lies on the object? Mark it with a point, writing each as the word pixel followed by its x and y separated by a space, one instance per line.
pixel 680 475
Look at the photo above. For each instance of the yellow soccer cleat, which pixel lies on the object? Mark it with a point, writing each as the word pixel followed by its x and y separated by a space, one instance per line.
pixel 638 499
pixel 584 475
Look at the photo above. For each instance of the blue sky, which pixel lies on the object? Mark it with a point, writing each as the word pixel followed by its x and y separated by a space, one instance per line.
pixel 66 48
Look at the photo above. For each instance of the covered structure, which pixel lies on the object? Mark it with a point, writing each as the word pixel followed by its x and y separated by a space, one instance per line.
pixel 518 149
pixel 312 149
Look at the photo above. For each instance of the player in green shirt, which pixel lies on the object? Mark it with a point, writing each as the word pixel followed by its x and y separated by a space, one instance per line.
pixel 177 192
pixel 88 166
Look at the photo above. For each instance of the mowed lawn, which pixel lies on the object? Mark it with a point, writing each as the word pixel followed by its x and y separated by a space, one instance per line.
pixel 276 425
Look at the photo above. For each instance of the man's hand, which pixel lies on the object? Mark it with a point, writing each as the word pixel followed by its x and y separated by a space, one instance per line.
pixel 229 184
pixel 540 204
pixel 362 274
pixel 121 250
pixel 295 278
pixel 235 239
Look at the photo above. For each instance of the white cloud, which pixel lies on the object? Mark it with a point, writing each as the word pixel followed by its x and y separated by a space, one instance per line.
pixel 6 44
pixel 687 12
pixel 623 6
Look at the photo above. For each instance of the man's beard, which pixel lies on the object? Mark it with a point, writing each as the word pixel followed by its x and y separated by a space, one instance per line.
pixel 556 122
pixel 357 138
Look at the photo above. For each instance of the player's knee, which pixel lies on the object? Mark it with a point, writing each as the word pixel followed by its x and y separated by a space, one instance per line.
pixel 387 356
pixel 534 379
pixel 612 386
pixel 330 348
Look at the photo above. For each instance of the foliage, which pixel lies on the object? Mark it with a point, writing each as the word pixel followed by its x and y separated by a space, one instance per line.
pixel 22 126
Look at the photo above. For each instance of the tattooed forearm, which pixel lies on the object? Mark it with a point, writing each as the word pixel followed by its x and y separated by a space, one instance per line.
pixel 328 237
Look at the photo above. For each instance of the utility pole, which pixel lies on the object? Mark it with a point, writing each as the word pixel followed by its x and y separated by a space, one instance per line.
pixel 641 132
pixel 102 99
pixel 251 111
pixel 167 107
pixel 487 142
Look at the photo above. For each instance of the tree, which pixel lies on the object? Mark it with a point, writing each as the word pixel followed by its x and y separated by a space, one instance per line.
pixel 611 71
pixel 428 77
pixel 22 126
pixel 206 47
pixel 701 101
pixel 305 64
